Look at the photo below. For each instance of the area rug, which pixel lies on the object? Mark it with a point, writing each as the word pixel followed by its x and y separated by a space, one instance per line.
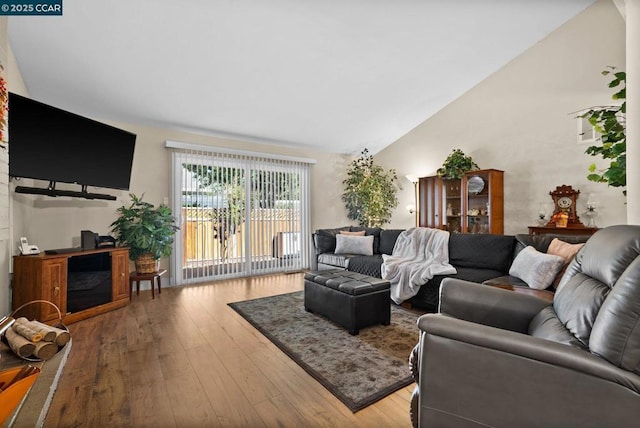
pixel 359 370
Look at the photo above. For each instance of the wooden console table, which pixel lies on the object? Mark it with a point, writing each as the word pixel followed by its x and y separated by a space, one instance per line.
pixel 45 276
pixel 544 230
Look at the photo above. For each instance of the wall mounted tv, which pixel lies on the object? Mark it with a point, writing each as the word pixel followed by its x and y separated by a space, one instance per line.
pixel 47 143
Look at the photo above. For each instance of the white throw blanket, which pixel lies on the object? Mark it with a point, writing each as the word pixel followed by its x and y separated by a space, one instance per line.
pixel 419 254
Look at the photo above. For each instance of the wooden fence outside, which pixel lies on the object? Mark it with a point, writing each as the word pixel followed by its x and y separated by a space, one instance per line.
pixel 268 227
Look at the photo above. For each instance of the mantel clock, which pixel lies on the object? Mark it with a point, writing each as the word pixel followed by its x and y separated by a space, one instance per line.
pixel 564 204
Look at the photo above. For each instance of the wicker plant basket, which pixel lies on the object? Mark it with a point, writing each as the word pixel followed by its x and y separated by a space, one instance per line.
pixel 147 264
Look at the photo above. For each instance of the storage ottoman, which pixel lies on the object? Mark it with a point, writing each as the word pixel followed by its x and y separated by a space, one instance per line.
pixel 347 298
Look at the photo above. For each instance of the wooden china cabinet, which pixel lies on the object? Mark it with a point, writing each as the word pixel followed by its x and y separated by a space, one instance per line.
pixel 472 204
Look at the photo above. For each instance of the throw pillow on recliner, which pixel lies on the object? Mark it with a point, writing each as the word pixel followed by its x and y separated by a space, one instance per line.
pixel 537 269
pixel 566 251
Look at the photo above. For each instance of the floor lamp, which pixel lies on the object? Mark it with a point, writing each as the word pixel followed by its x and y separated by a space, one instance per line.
pixel 414 209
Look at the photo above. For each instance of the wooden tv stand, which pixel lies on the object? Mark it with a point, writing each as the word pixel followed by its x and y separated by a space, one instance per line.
pixel 44 277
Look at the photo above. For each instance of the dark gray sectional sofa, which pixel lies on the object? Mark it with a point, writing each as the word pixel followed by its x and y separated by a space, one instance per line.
pixel 480 258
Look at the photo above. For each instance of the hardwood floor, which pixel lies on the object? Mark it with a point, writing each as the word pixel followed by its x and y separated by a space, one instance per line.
pixel 186 359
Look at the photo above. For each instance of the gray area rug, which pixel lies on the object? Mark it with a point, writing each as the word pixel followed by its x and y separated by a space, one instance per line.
pixel 359 370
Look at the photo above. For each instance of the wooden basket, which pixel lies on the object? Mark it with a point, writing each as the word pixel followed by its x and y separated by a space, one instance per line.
pixel 58 324
pixel 146 264
pixel 13 395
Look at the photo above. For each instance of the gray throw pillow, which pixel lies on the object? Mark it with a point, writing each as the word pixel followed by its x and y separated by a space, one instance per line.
pixel 360 245
pixel 535 268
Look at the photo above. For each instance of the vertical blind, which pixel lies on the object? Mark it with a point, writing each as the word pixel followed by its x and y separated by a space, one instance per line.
pixel 240 213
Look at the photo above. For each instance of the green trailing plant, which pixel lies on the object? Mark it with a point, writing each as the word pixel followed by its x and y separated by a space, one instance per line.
pixel 144 228
pixel 609 122
pixel 456 165
pixel 370 191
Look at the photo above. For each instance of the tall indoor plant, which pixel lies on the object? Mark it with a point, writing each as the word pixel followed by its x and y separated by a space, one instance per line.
pixel 370 191
pixel 147 230
pixel 609 122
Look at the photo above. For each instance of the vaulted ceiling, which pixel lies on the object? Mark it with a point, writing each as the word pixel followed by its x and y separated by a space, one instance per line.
pixel 330 75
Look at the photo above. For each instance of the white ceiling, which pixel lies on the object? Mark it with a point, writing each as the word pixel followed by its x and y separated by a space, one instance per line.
pixel 330 75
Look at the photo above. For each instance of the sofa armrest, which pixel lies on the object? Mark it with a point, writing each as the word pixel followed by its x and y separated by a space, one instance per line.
pixel 487 305
pixel 494 377
pixel 517 285
pixel 314 253
pixel 414 362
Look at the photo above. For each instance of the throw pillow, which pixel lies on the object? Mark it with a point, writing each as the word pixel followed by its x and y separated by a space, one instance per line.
pixel 359 233
pixel 535 268
pixel 358 245
pixel 566 251
pixel 375 231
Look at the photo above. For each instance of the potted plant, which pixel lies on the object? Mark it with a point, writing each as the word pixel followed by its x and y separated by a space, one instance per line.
pixel 456 165
pixel 370 192
pixel 609 122
pixel 147 231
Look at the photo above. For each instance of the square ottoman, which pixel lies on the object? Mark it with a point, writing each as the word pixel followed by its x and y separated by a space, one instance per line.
pixel 349 299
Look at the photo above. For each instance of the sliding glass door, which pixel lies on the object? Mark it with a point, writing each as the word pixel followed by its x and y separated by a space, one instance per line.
pixel 239 215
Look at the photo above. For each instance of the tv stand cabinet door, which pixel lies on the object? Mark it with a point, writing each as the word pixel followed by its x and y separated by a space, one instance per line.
pixel 40 279
pixel 54 288
pixel 120 275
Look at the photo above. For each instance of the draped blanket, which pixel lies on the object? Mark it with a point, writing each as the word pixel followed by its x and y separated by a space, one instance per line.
pixel 419 254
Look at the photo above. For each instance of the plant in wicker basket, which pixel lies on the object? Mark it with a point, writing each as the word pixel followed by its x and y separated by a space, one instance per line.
pixel 147 231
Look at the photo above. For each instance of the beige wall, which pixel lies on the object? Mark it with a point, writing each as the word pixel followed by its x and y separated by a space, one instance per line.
pixel 519 120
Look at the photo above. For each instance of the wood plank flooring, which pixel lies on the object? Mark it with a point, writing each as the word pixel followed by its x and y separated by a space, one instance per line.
pixel 185 359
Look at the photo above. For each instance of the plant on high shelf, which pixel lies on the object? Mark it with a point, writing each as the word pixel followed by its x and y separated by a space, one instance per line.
pixel 370 191
pixel 456 165
pixel 147 230
pixel 609 122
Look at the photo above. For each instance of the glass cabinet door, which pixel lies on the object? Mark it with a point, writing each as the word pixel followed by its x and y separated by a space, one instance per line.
pixel 483 197
pixel 477 204
pixel 452 201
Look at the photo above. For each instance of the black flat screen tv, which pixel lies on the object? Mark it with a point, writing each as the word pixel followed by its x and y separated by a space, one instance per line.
pixel 47 143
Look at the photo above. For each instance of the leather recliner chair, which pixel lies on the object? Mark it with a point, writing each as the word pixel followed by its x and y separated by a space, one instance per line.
pixel 495 358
